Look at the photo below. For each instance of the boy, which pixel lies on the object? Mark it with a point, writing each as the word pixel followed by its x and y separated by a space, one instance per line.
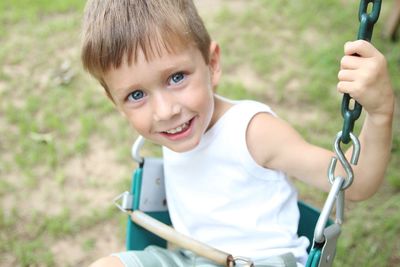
pixel 225 162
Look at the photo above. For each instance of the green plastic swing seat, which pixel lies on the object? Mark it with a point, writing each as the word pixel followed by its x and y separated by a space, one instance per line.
pixel 147 194
pixel 139 238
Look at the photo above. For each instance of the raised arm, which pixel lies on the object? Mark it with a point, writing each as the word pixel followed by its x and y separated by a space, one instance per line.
pixel 366 79
pixel 275 144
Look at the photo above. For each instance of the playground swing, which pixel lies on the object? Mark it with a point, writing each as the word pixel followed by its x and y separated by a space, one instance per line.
pixel 147 201
pixel 148 221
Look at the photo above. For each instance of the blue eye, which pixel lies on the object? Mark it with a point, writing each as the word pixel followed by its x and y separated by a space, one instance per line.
pixel 136 95
pixel 176 78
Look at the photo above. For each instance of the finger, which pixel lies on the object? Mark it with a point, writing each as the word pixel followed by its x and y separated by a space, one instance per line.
pixel 346 87
pixel 361 48
pixel 351 62
pixel 346 75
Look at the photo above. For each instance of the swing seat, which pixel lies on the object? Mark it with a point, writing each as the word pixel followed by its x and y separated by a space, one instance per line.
pixel 139 238
pixel 148 195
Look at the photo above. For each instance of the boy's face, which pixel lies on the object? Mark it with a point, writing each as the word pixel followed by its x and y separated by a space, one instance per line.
pixel 168 99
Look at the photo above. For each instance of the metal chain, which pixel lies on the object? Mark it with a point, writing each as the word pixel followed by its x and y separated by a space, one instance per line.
pixel 322 251
pixel 367 21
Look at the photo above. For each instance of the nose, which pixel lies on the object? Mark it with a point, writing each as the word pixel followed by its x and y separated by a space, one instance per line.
pixel 165 106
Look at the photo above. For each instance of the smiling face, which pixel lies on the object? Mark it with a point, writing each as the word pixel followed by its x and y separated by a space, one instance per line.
pixel 168 99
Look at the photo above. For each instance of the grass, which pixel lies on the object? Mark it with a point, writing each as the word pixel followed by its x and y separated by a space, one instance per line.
pixel 65 150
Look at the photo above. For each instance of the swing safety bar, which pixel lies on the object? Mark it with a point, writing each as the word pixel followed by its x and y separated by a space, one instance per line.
pixel 170 234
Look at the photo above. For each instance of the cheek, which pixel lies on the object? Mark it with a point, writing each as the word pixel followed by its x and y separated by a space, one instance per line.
pixel 200 98
pixel 201 94
pixel 139 121
pixel 201 101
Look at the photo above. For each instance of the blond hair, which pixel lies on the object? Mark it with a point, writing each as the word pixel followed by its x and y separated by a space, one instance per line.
pixel 115 29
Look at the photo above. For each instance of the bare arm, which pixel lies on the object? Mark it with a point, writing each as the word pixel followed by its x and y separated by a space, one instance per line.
pixel 366 79
pixel 375 139
pixel 274 144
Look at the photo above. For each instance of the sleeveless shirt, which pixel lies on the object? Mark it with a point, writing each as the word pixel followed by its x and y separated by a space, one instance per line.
pixel 219 195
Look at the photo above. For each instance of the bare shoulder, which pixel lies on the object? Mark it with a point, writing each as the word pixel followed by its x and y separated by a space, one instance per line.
pixel 274 144
pixel 267 136
pixel 109 261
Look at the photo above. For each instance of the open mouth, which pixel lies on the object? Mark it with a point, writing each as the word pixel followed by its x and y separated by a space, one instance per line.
pixel 179 130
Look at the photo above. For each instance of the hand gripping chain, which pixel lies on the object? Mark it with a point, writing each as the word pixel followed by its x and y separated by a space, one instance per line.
pixel 325 238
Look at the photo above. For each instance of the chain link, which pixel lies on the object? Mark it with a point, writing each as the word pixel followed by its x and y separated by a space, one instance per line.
pixel 367 21
pixel 340 183
pixel 350 115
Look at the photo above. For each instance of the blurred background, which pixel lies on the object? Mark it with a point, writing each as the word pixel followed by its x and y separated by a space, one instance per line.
pixel 65 151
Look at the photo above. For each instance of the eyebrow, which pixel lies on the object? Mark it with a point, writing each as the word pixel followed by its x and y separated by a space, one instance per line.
pixel 176 65
pixel 129 87
pixel 174 68
pixel 123 91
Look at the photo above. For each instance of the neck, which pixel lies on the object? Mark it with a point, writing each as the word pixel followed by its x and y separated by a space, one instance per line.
pixel 221 105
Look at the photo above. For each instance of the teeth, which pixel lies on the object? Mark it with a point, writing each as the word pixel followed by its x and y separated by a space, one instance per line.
pixel 178 129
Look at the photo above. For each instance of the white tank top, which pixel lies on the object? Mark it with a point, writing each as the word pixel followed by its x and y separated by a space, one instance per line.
pixel 219 195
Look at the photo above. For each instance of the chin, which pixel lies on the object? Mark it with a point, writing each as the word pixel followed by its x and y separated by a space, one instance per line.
pixel 183 147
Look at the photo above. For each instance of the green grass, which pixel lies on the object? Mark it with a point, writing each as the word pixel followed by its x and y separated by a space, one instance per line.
pixel 64 150
pixel 33 11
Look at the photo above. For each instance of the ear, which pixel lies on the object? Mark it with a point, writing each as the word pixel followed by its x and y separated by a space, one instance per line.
pixel 215 64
